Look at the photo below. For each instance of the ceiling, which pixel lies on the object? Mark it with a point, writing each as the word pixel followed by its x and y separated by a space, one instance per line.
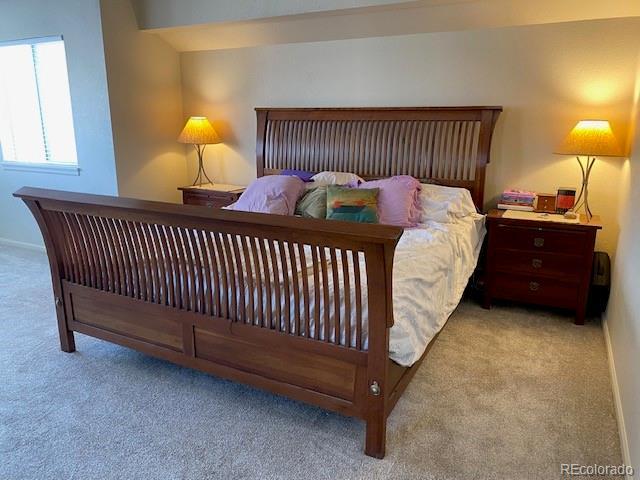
pixel 195 25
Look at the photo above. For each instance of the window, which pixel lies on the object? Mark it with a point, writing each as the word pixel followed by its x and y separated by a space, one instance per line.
pixel 36 123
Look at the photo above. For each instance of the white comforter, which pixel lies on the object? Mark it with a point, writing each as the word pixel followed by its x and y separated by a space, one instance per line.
pixel 431 268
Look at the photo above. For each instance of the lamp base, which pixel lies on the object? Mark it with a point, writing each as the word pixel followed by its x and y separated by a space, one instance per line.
pixel 202 174
pixel 583 197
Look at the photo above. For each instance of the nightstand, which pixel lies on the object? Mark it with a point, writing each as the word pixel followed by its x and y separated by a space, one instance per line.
pixel 211 195
pixel 541 262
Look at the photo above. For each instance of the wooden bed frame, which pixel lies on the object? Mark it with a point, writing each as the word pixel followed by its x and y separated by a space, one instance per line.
pixel 172 281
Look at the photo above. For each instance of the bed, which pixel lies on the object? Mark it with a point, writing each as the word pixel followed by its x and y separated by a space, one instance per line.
pixel 301 307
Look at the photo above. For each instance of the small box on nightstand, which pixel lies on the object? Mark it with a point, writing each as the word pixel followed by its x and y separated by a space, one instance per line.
pixel 545 202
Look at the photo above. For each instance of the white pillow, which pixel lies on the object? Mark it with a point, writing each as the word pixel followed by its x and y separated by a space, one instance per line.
pixel 445 204
pixel 334 178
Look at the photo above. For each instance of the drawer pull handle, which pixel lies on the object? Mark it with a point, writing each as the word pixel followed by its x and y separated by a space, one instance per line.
pixel 534 286
pixel 538 242
pixel 536 263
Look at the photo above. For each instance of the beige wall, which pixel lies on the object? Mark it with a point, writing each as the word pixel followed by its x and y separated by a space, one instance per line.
pixel 78 21
pixel 622 318
pixel 546 77
pixel 146 107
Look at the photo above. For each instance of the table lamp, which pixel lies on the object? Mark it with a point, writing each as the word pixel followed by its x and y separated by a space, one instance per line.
pixel 199 132
pixel 589 138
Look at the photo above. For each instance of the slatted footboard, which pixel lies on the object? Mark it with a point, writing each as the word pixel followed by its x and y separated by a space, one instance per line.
pixel 299 307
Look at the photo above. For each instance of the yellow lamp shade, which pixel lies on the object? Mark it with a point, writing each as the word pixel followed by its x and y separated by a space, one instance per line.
pixel 592 138
pixel 198 131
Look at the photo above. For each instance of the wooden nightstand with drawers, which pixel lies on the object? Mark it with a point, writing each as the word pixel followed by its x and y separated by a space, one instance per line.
pixel 540 262
pixel 211 195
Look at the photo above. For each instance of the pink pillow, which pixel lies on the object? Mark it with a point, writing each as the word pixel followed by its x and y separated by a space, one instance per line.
pixel 398 200
pixel 271 194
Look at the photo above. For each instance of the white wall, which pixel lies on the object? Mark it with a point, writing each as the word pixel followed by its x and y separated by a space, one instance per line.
pixel 547 77
pixel 622 318
pixel 79 23
pixel 146 107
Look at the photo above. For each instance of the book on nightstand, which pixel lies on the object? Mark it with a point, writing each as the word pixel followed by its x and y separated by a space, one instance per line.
pixel 510 206
pixel 517 200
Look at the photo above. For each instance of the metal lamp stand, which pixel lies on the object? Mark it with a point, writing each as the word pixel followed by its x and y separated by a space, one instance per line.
pixel 201 172
pixel 583 197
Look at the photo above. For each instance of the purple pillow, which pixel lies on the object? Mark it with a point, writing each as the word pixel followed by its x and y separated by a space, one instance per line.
pixel 301 174
pixel 398 200
pixel 271 194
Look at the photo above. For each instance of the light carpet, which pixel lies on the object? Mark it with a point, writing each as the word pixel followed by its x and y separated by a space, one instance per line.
pixel 508 393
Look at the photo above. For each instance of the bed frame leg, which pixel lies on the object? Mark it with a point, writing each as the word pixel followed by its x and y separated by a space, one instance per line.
pixel 376 437
pixel 67 340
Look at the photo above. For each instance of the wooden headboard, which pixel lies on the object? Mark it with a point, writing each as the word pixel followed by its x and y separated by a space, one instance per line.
pixel 443 145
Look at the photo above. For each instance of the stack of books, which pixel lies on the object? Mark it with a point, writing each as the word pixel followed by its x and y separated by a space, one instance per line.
pixel 517 200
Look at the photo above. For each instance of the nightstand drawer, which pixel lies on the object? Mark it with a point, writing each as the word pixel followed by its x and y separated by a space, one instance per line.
pixel 539 240
pixel 210 195
pixel 215 201
pixel 564 267
pixel 533 289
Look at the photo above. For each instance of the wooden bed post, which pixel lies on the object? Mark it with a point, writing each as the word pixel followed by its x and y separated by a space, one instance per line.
pixel 67 341
pixel 260 137
pixel 379 275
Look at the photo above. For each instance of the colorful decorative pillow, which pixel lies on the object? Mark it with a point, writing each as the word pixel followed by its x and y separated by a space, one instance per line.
pixel 276 194
pixel 398 200
pixel 336 178
pixel 313 204
pixel 352 204
pixel 301 174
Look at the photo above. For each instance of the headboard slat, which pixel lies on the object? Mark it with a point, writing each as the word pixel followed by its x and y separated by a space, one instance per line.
pixel 443 145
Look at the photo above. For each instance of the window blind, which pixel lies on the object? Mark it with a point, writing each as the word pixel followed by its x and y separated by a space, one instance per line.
pixel 36 122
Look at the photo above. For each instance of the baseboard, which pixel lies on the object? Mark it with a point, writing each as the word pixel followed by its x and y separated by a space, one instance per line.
pixel 28 246
pixel 624 443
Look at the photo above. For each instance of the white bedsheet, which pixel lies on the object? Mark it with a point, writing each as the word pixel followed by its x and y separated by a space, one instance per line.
pixel 431 268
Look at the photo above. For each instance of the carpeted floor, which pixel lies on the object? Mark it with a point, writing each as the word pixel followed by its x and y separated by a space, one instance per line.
pixel 507 393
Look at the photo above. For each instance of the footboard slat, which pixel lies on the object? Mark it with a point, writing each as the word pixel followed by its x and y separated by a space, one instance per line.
pixel 281 303
pixel 257 275
pixel 115 255
pixel 148 259
pixel 266 278
pixel 274 269
pixel 133 258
